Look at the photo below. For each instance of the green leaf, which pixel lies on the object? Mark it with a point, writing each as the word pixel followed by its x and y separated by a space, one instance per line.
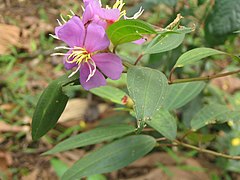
pixel 97 177
pixel 51 105
pixel 237 31
pixel 92 137
pixel 194 55
pixel 212 114
pixel 197 138
pixel 164 123
pixel 111 93
pixel 48 110
pixel 222 21
pixel 166 41
pixel 124 31
pixel 148 89
pixel 180 94
pixel 111 157
pixel 59 167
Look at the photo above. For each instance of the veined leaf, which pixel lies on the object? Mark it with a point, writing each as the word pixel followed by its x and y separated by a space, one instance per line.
pixel 195 55
pixel 111 157
pixel 164 123
pixel 125 31
pixel 148 89
pixel 92 137
pixel 50 106
pixel 111 93
pixel 181 94
pixel 164 42
pixel 212 114
pixel 48 110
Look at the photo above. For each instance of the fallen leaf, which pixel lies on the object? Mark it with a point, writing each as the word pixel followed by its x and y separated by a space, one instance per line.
pixel 10 36
pixel 79 109
pixel 4 127
pixel 5 162
pixel 228 83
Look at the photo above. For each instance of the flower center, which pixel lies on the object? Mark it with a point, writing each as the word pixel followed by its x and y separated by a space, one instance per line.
pixel 79 55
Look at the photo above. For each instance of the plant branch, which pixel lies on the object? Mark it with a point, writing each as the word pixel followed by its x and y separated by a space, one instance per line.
pixel 138 59
pixel 207 78
pixel 161 139
pixel 171 74
pixel 207 151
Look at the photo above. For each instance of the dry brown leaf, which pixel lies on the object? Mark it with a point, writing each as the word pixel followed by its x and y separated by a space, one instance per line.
pixel 228 83
pixel 32 176
pixel 77 109
pixel 7 107
pixel 4 127
pixel 74 110
pixel 70 157
pixel 5 162
pixel 153 159
pixel 10 36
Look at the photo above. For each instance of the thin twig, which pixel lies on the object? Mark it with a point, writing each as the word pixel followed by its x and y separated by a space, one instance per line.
pixel 148 130
pixel 207 78
pixel 161 139
pixel 207 151
pixel 138 59
pixel 170 75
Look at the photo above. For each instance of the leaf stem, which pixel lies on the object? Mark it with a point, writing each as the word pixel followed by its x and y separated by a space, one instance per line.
pixel 138 59
pixel 171 74
pixel 207 151
pixel 161 139
pixel 127 64
pixel 206 78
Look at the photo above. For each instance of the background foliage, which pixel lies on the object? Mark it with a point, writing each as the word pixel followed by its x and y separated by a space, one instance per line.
pixel 211 107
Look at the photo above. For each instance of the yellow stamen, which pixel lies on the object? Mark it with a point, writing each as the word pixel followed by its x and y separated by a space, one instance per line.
pixel 123 13
pixel 119 5
pixel 78 56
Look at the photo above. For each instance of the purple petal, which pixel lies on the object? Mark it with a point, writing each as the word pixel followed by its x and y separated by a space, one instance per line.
pixel 88 14
pixel 67 65
pixel 109 14
pixel 72 32
pixel 110 64
pixel 95 81
pixel 140 41
pixel 96 38
pixel 92 2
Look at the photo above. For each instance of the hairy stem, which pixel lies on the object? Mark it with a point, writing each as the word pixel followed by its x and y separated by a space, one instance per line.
pixel 206 78
pixel 207 151
pixel 138 59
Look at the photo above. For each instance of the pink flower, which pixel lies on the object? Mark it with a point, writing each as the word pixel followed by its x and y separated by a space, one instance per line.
pixel 94 12
pixel 85 53
pixel 101 16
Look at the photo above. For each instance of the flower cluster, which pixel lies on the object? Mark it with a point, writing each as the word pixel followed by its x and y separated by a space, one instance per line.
pixel 88 45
